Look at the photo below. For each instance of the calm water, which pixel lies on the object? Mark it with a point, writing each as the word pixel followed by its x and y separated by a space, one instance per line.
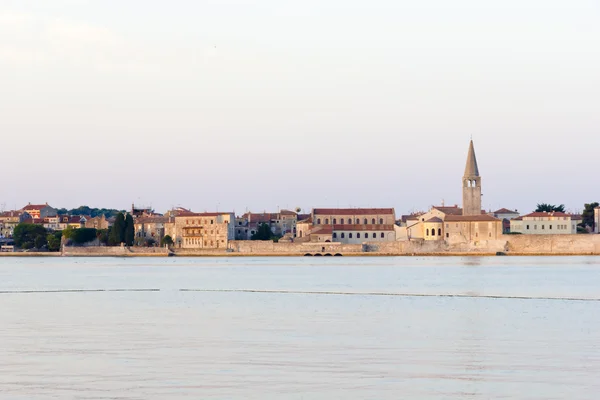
pixel 300 328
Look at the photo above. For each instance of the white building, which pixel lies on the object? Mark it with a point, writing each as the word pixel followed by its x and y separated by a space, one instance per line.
pixel 544 223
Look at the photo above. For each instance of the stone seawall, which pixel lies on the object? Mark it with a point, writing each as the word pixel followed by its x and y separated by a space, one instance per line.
pixel 553 244
pixel 115 251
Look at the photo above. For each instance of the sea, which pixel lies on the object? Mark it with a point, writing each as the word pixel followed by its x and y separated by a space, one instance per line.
pixel 300 328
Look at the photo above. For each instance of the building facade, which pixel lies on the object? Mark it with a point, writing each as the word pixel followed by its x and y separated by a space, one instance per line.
pixel 201 230
pixel 544 223
pixel 597 220
pixel 38 211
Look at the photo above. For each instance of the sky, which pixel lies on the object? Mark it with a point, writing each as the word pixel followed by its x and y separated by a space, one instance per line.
pixel 258 105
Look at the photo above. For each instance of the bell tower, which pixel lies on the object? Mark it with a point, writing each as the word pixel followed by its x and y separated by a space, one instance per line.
pixel 471 185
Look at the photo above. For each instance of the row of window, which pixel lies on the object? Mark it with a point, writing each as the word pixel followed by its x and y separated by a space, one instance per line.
pixel 562 227
pixel 342 221
pixel 343 235
pixel 199 221
pixel 199 231
pixel 433 232
pixel 196 241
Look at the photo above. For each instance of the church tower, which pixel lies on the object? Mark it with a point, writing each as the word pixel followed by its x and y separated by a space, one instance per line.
pixel 471 185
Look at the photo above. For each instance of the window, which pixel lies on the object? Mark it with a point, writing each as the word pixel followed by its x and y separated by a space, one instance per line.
pixel 335 221
pixel 326 221
pixel 535 227
pixel 543 226
pixel 335 235
pixel 439 231
pixel 358 235
pixel 350 235
pixel 374 235
pixel 212 221
pixel 382 235
pixel 427 233
pixel 527 227
pixel 319 221
pixel 365 221
pixel 343 235
pixel 381 221
pixel 373 221
pixel 433 232
pixel 447 234
pixel 550 227
pixel 342 221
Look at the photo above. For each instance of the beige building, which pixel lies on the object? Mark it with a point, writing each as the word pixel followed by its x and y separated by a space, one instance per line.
pixel 201 230
pixel 280 223
pixel 544 223
pixel 597 220
pixel 9 220
pixel 452 223
pixel 149 229
pixel 99 222
pixel 348 225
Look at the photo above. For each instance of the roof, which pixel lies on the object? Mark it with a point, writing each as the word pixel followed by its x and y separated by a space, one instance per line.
pixel 353 211
pixel 308 220
pixel 151 220
pixel 576 217
pixel 325 230
pixel 517 219
pixel 9 214
pixel 471 168
pixel 547 214
pixel 505 211
pixel 287 212
pixel 35 206
pixel 468 218
pixel 206 214
pixel 434 220
pixel 355 227
pixel 452 210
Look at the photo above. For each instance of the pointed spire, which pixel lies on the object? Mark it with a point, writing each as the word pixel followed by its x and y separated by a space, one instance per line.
pixel 471 168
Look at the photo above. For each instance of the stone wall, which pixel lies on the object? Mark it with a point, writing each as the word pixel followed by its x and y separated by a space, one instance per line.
pixel 116 251
pixel 553 244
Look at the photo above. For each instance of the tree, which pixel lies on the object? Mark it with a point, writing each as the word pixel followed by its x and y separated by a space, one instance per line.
pixel 102 235
pixel 27 236
pixel 54 240
pixel 129 230
pixel 588 215
pixel 167 241
pixel 83 235
pixel 544 207
pixel 263 233
pixel 117 232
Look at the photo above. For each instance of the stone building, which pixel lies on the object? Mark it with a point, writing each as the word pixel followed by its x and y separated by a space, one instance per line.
pixel 348 225
pixel 597 220
pixel 201 230
pixel 149 229
pixel 545 223
pixel 505 215
pixel 452 223
pixel 281 223
pixel 99 222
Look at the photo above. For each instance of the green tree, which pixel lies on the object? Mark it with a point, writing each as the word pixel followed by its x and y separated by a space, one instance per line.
pixel 544 207
pixel 54 241
pixel 588 215
pixel 40 241
pixel 129 230
pixel 166 241
pixel 263 233
pixel 26 235
pixel 83 235
pixel 102 235
pixel 117 232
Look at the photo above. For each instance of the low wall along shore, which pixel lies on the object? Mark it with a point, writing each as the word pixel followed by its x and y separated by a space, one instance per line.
pixel 581 244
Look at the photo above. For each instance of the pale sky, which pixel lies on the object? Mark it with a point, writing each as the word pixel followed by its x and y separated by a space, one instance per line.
pixel 256 105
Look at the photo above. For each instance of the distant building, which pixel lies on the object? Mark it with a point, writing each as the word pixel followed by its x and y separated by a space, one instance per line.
pixel 201 230
pixel 280 223
pixel 37 211
pixel 597 220
pixel 505 215
pixel 142 211
pixel 99 222
pixel 348 225
pixel 545 223
pixel 9 220
pixel 149 228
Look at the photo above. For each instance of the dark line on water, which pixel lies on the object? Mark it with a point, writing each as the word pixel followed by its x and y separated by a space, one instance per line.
pixel 76 291
pixel 469 296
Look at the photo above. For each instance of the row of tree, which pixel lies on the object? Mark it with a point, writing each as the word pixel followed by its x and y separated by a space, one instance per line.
pixel 85 210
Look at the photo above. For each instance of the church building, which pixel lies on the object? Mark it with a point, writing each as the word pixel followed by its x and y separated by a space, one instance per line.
pixel 454 224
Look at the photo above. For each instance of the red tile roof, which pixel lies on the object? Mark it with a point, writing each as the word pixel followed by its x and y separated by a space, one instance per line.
pixel 353 211
pixel 363 227
pixel 324 230
pixel 547 214
pixel 34 207
pixel 505 211
pixel 469 218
